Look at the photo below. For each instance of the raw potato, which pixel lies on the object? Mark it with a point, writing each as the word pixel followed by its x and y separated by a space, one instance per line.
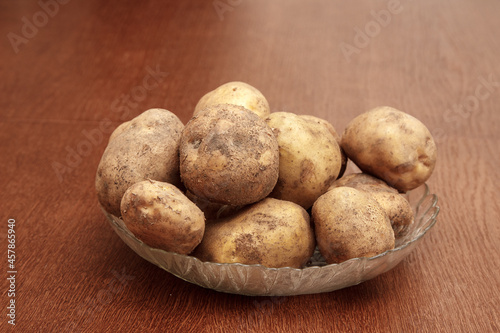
pixel 146 147
pixel 349 223
pixel 392 146
pixel 212 210
pixel 310 158
pixel 161 216
pixel 396 206
pixel 229 155
pixel 272 232
pixel 237 93
pixel 335 135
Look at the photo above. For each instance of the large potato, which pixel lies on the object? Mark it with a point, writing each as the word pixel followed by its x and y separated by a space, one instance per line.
pixel 272 232
pixel 309 158
pixel 392 146
pixel 349 223
pixel 395 205
pixel 228 155
pixel 161 216
pixel 146 147
pixel 237 93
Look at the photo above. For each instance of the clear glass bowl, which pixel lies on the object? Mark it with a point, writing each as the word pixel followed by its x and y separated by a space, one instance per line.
pixel 317 277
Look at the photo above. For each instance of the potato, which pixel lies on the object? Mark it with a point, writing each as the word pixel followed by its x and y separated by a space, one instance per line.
pixel 161 216
pixel 350 223
pixel 146 147
pixel 310 158
pixel 228 155
pixel 237 93
pixel 212 210
pixel 272 232
pixel 335 135
pixel 395 205
pixel 392 146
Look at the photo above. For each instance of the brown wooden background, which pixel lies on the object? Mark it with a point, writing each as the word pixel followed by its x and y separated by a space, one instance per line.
pixel 71 71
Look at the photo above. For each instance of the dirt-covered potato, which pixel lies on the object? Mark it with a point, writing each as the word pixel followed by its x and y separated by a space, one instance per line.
pixel 212 210
pixel 272 232
pixel 237 93
pixel 395 205
pixel 335 134
pixel 161 216
pixel 309 158
pixel 146 147
pixel 228 155
pixel 350 223
pixel 392 146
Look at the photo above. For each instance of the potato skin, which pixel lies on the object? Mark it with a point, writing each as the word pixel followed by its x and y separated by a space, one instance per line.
pixel 310 158
pixel 212 210
pixel 228 155
pixel 161 216
pixel 272 232
pixel 146 147
pixel 392 146
pixel 123 127
pixel 395 205
pixel 237 93
pixel 335 134
pixel 349 223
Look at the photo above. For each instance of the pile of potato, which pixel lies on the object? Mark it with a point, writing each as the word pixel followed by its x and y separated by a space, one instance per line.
pixel 239 184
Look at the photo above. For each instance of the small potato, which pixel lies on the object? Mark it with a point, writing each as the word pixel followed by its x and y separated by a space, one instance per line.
pixel 146 147
pixel 392 146
pixel 228 155
pixel 349 223
pixel 272 232
pixel 395 205
pixel 310 157
pixel 237 93
pixel 161 216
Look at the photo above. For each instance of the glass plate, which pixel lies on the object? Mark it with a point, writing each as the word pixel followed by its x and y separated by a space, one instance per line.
pixel 317 277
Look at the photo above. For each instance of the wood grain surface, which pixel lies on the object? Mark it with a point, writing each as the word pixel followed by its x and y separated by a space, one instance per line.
pixel 71 71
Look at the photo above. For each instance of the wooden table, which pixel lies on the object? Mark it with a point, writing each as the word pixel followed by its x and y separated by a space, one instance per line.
pixel 74 70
